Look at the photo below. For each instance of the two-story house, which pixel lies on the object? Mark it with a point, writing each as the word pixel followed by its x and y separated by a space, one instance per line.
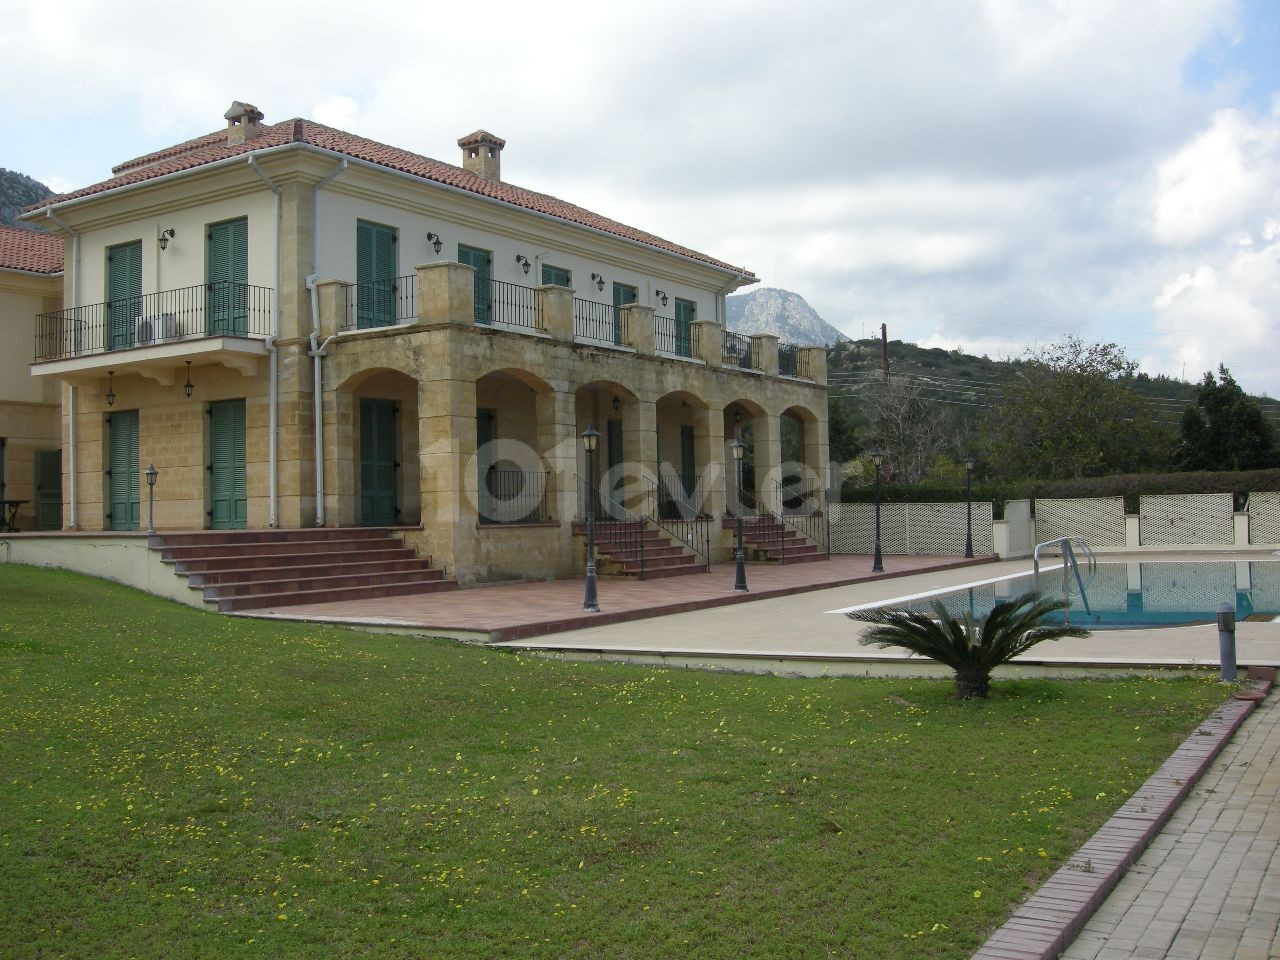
pixel 302 327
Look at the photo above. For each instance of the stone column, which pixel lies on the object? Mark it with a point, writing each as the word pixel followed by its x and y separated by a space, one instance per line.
pixel 708 342
pixel 558 447
pixel 446 452
pixel 638 328
pixel 812 363
pixel 554 306
pixel 708 438
pixel 816 459
pixel 764 352
pixel 640 449
pixel 446 293
pixel 332 297
pixel 768 452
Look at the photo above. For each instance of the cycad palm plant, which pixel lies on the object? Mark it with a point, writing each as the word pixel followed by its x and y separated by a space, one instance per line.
pixel 969 647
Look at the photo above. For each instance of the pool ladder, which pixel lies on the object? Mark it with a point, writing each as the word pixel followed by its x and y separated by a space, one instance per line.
pixel 1067 547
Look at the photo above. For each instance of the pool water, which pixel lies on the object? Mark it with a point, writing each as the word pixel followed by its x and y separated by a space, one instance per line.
pixel 1136 594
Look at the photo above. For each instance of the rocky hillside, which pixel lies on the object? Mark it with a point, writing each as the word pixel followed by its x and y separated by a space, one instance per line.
pixel 784 314
pixel 17 190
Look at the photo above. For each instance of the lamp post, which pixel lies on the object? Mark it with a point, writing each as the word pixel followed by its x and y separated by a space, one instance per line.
pixel 152 474
pixel 590 437
pixel 968 505
pixel 740 576
pixel 877 561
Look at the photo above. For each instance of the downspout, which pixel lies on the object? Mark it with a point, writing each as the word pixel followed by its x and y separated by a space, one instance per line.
pixel 318 349
pixel 73 521
pixel 273 390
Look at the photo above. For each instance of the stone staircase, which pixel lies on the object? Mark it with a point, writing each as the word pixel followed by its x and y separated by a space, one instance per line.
pixel 618 550
pixel 251 569
pixel 769 539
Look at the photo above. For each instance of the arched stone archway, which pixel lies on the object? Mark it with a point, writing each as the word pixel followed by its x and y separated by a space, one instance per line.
pixel 802 445
pixel 627 448
pixel 375 444
pixel 514 430
pixel 749 423
pixel 690 463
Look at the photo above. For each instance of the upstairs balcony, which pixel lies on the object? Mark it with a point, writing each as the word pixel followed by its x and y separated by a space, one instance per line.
pixel 231 319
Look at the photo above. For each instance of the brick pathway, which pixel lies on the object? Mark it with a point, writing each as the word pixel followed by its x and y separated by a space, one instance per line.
pixel 1209 883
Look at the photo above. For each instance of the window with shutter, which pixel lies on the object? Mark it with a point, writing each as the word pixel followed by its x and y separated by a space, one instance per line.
pixel 48 489
pixel 686 311
pixel 228 493
pixel 227 278
pixel 555 276
pixel 123 494
pixel 124 293
pixel 482 261
pixel 375 275
pixel 623 293
pixel 377 462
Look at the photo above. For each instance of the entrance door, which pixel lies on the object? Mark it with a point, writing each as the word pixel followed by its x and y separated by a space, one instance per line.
pixel 124 293
pixel 49 489
pixel 122 471
pixel 482 260
pixel 377 462
pixel 228 498
pixel 227 272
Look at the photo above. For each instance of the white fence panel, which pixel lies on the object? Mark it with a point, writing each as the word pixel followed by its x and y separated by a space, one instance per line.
pixel 1264 518
pixel 935 529
pixel 1020 528
pixel 1200 519
pixel 1099 520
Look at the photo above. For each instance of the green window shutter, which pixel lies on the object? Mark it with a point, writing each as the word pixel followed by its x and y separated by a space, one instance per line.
pixel 123 462
pixel 48 489
pixel 124 293
pixel 226 277
pixel 377 462
pixel 228 490
pixel 375 275
pixel 623 293
pixel 555 276
pixel 482 261
pixel 686 311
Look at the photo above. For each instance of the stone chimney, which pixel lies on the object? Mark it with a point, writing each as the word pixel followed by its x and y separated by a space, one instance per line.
pixel 482 154
pixel 244 122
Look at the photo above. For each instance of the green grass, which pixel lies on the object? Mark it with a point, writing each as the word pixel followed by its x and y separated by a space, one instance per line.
pixel 179 784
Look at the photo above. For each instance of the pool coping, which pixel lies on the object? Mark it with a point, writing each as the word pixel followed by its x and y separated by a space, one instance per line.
pixel 1045 923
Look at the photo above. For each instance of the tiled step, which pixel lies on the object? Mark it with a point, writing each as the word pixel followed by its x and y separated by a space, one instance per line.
pixel 232 604
pixel 240 537
pixel 663 556
pixel 229 575
pixel 250 588
pixel 285 547
pixel 226 562
pixel 774 541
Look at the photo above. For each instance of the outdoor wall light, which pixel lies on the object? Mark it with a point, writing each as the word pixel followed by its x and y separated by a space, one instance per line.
pixel 661 296
pixel 524 263
pixel 111 394
pixel 165 236
pixel 435 241
pixel 599 281
pixel 188 386
pixel 617 403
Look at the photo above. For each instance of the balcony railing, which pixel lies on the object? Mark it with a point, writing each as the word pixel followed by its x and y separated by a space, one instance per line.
pixel 737 350
pixel 207 310
pixel 601 322
pixel 514 305
pixel 381 303
pixel 513 496
pixel 788 359
pixel 673 336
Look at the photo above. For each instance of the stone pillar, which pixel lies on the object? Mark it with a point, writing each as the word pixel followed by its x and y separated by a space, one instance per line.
pixel 638 328
pixel 446 293
pixel 708 439
pixel 446 452
pixel 558 447
pixel 812 363
pixel 296 248
pixel 640 449
pixel 768 453
pixel 816 459
pixel 708 342
pixel 554 306
pixel 332 297
pixel 764 352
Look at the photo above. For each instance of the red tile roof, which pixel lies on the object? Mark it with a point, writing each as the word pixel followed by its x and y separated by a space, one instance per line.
pixel 30 250
pixel 214 147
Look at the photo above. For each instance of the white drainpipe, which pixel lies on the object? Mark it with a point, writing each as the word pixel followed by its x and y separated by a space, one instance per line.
pixel 318 349
pixel 73 521
pixel 273 389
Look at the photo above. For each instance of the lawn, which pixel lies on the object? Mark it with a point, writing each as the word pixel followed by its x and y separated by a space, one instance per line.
pixel 178 784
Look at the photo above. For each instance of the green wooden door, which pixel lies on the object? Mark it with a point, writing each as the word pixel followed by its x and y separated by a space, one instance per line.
pixel 227 276
pixel 122 470
pixel 482 261
pixel 48 489
pixel 124 294
pixel 375 275
pixel 377 462
pixel 688 467
pixel 623 294
pixel 685 314
pixel 228 497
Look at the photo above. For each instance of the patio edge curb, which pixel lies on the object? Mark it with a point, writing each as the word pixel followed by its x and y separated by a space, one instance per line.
pixel 1045 923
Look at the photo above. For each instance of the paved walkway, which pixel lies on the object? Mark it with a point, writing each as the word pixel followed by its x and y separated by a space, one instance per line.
pixel 1209 883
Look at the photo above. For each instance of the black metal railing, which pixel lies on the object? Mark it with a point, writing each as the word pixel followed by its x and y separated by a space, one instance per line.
pixel 669 509
pixel 513 496
pixel 621 531
pixel 673 335
pixel 514 305
pixel 736 350
pixel 601 322
pixel 205 310
pixel 788 359
pixel 381 303
pixel 793 508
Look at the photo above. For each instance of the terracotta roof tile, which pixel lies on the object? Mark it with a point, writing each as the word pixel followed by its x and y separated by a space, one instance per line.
pixel 30 250
pixel 213 147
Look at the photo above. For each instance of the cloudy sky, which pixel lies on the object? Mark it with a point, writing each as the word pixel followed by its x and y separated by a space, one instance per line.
pixel 984 174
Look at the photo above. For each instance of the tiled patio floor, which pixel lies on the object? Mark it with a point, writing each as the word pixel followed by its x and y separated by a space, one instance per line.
pixel 514 611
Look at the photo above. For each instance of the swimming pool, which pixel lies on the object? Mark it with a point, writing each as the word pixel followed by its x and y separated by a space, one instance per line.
pixel 1132 594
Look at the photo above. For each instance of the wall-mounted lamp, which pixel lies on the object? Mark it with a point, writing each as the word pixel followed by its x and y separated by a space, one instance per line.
pixel 188 386
pixel 661 296
pixel 164 236
pixel 524 263
pixel 435 241
pixel 599 281
pixel 617 403
pixel 111 394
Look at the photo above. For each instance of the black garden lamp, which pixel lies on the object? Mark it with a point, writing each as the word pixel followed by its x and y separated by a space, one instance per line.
pixel 152 475
pixel 740 575
pixel 590 438
pixel 877 561
pixel 968 504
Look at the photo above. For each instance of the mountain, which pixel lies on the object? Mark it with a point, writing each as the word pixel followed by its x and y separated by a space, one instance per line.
pixel 784 314
pixel 17 190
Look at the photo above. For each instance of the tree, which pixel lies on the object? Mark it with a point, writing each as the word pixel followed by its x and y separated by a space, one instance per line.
pixel 1226 429
pixel 1071 411
pixel 970 649
pixel 913 431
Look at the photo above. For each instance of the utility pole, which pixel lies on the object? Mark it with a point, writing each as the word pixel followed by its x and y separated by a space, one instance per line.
pixel 884 392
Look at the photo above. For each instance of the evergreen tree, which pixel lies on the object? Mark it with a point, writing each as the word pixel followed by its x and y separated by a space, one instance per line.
pixel 1226 429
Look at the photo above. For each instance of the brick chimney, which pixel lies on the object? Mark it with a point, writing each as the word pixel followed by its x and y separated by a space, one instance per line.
pixel 244 122
pixel 482 154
